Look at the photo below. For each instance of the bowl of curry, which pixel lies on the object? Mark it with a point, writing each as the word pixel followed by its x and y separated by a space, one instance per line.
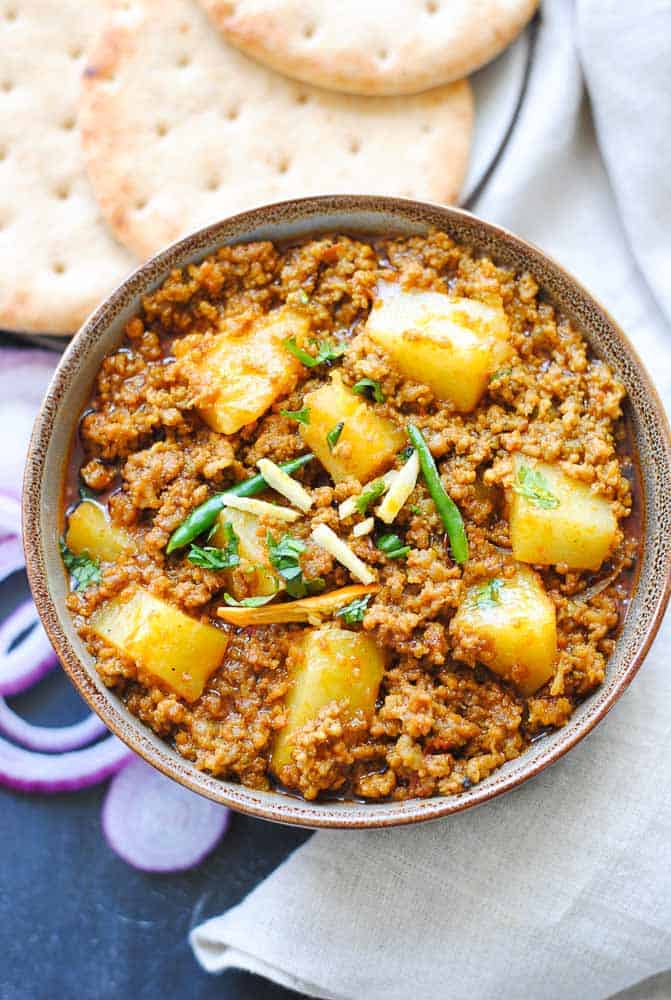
pixel 350 511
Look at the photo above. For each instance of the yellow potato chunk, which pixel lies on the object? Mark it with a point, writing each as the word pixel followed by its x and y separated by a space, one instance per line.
pixel 240 375
pixel 556 519
pixel 451 345
pixel 163 641
pixel 331 665
pixel 367 442
pixel 510 626
pixel 259 578
pixel 90 530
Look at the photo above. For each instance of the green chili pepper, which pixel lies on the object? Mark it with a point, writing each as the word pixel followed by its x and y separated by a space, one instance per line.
pixel 392 546
pixel 446 507
pixel 203 517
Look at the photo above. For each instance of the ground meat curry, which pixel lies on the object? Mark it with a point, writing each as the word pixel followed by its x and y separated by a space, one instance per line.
pixel 349 518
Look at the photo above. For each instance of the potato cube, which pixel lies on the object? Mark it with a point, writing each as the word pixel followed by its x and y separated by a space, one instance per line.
pixel 254 576
pixel 240 376
pixel 90 530
pixel 451 345
pixel 163 641
pixel 556 519
pixel 331 665
pixel 367 442
pixel 510 626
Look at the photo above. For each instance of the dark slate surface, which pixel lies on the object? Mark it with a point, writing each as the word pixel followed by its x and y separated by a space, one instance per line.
pixel 77 922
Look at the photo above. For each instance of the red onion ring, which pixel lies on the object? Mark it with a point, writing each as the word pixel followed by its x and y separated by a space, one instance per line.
pixel 49 739
pixel 27 771
pixel 157 825
pixel 31 659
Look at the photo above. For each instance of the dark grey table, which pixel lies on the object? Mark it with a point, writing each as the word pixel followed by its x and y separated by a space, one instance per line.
pixel 77 922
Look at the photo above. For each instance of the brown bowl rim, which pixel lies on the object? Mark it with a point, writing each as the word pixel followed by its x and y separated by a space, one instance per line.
pixel 282 808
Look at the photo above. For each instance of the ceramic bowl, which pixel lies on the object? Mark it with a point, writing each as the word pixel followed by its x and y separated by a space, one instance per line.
pixel 102 333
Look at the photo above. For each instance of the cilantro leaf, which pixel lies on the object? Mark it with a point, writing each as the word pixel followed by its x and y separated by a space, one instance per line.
pixel 86 493
pixel 489 594
pixel 210 557
pixel 333 435
pixel 83 570
pixel 370 388
pixel 284 556
pixel 370 495
pixel 301 416
pixel 325 352
pixel 500 373
pixel 533 485
pixel 354 611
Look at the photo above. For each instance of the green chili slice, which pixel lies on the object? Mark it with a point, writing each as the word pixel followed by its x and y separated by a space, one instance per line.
pixel 392 546
pixel 445 505
pixel 202 518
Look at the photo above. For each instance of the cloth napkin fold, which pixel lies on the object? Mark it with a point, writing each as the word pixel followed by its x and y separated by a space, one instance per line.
pixel 561 889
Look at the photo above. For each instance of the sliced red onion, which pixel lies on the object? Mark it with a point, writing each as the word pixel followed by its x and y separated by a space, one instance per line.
pixel 156 825
pixel 31 658
pixel 24 376
pixel 50 739
pixel 27 771
pixel 11 557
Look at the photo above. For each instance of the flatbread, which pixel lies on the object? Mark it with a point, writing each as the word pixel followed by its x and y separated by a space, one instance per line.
pixel 372 47
pixel 57 255
pixel 180 130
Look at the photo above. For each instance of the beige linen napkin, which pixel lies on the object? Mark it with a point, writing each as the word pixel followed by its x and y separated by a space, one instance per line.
pixel 561 889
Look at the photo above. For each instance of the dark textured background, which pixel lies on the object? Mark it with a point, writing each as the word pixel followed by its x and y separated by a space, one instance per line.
pixel 77 922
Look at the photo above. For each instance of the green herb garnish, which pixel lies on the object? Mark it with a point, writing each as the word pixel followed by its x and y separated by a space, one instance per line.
pixel 354 611
pixel 500 373
pixel 325 352
pixel 489 594
pixel 533 485
pixel 211 557
pixel 285 558
pixel 415 509
pixel 302 296
pixel 86 493
pixel 84 570
pixel 370 495
pixel 369 387
pixel 302 416
pixel 333 435
pixel 392 546
pixel 248 602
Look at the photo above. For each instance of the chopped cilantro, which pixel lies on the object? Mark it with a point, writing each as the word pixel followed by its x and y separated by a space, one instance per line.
pixel 333 435
pixel 532 485
pixel 210 557
pixel 301 416
pixel 489 594
pixel 86 493
pixel 354 611
pixel 500 373
pixel 285 557
pixel 325 352
pixel 82 568
pixel 369 387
